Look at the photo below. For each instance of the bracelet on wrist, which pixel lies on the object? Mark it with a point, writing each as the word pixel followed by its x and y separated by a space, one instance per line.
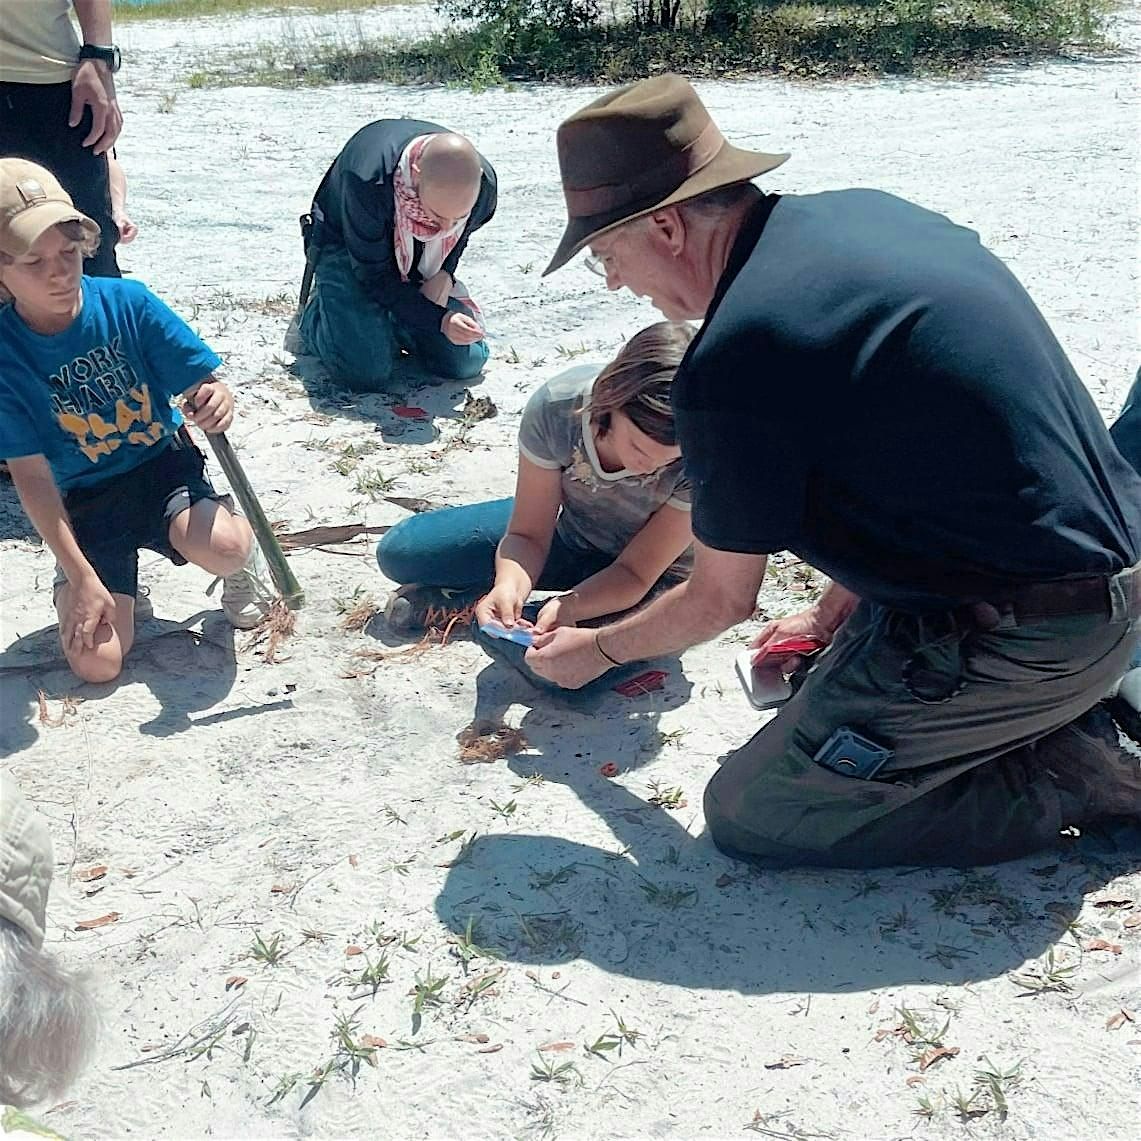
pixel 598 647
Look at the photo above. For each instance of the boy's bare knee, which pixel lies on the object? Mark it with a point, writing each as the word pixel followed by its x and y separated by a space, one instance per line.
pixel 96 667
pixel 230 543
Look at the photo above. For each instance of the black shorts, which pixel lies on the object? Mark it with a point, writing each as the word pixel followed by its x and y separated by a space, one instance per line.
pixel 114 519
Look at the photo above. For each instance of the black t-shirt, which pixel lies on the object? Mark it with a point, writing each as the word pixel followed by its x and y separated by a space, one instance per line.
pixel 877 393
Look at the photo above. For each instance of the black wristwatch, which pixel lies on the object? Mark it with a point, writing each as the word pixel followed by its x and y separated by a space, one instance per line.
pixel 108 55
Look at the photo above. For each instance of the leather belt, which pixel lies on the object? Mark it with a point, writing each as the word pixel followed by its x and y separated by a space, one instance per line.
pixel 1114 598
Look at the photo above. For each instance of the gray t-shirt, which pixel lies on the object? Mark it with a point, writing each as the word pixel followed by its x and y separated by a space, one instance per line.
pixel 601 510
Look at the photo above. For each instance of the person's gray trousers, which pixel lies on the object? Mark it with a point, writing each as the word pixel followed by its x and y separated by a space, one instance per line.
pixel 966 785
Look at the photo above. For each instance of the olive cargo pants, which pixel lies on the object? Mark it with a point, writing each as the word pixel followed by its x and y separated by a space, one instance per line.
pixel 961 708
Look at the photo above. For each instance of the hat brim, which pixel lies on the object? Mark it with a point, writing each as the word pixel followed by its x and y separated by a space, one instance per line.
pixel 730 166
pixel 23 231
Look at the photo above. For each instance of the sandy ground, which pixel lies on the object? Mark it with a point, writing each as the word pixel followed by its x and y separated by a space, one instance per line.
pixel 321 798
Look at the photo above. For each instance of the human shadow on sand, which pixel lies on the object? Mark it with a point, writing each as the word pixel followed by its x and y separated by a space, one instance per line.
pixel 186 669
pixel 14 523
pixel 413 389
pixel 665 906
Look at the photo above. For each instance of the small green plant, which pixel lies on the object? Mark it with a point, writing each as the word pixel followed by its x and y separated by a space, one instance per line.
pixel 391 816
pixel 466 947
pixel 425 993
pixel 669 896
pixel 572 351
pixel 532 781
pixel 672 797
pixel 524 267
pixel 505 810
pixel 543 880
pixel 1049 974
pixel 995 1083
pixel 371 975
pixel 196 80
pixel 615 1040
pixel 166 102
pixel 269 952
pixel 549 1070
pixel 374 484
pixel 920 1033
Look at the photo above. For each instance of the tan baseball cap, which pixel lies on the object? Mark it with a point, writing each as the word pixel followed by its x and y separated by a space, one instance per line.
pixel 25 862
pixel 32 201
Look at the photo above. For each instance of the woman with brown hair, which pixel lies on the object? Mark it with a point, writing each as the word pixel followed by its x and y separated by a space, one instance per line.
pixel 601 505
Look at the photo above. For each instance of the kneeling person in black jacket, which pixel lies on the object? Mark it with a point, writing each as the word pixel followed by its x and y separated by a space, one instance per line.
pixel 390 222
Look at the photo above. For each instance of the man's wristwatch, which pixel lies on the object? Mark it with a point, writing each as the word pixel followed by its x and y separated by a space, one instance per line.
pixel 108 54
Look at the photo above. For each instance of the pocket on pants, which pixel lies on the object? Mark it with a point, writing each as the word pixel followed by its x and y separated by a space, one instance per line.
pixel 798 803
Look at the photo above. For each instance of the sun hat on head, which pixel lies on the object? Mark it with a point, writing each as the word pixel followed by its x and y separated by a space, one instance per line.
pixel 25 862
pixel 31 202
pixel 647 145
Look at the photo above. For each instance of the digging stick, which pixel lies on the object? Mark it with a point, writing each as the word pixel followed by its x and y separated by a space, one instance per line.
pixel 283 578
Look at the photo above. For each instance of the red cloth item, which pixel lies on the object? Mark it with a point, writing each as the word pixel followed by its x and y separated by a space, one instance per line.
pixel 414 224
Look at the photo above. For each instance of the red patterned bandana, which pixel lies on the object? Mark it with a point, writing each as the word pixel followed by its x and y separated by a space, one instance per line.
pixel 414 224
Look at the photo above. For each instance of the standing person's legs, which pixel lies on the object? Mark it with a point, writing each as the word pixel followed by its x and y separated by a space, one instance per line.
pixel 439 357
pixel 342 326
pixel 33 125
pixel 976 721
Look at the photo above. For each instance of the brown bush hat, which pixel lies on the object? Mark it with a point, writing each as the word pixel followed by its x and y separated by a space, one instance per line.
pixel 647 145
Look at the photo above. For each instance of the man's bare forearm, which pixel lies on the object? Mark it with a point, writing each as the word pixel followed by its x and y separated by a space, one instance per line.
pixel 835 604
pixel 94 18
pixel 689 614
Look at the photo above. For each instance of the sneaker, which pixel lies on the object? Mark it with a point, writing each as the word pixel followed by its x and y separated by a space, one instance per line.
pixel 247 594
pixel 1088 763
pixel 1124 704
pixel 409 607
pixel 143 607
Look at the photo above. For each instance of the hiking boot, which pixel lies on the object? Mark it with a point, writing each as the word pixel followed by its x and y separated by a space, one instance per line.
pixel 247 594
pixel 1096 775
pixel 410 606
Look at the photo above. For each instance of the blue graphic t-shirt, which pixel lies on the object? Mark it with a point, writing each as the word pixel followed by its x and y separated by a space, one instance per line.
pixel 95 399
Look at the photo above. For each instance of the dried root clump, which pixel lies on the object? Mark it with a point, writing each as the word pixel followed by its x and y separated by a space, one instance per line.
pixel 484 743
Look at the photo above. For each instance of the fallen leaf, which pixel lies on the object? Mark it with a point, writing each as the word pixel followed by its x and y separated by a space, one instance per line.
pixel 480 1039
pixel 1103 945
pixel 874 1006
pixel 1133 921
pixel 785 1062
pixel 1120 1019
pixel 610 769
pixel 885 1032
pixel 102 921
pixel 241 1028
pixel 416 506
pixel 89 892
pixel 322 536
pixel 373 1041
pixel 916 1080
pixel 1048 870
pixel 556 1047
pixel 556 974
pixel 95 873
pixel 235 981
pixel 281 889
pixel 723 880
pixel 353 949
pixel 1122 903
pixel 409 412
pixel 353 860
pixel 490 1049
pixel 935 1054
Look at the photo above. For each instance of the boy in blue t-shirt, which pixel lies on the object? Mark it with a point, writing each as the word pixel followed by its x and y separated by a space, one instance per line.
pixel 88 369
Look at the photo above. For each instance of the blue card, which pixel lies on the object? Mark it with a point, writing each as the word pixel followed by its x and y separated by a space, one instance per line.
pixel 520 635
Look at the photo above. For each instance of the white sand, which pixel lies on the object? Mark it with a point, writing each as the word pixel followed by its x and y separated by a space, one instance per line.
pixel 230 797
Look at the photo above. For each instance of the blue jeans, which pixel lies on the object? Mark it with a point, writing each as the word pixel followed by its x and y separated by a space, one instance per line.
pixel 455 548
pixel 358 342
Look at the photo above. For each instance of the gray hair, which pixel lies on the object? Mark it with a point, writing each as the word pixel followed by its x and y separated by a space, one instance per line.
pixel 724 200
pixel 48 1021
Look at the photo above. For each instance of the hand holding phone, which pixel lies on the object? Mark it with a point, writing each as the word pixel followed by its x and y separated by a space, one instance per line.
pixel 765 685
pixel 520 634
